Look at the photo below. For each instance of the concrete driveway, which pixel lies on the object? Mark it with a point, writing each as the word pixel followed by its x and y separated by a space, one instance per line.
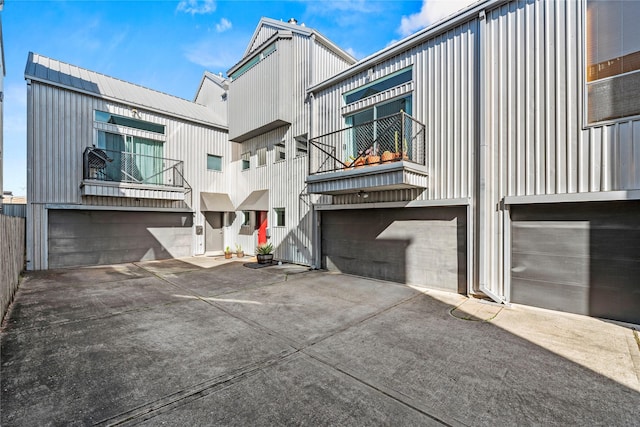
pixel 201 341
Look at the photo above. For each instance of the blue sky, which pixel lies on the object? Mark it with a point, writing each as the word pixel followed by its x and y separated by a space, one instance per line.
pixel 167 45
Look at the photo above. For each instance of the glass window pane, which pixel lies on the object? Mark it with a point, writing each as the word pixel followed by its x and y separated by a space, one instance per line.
pixel 246 160
pixel 262 156
pixel 280 222
pixel 380 85
pixel 101 116
pixel 214 163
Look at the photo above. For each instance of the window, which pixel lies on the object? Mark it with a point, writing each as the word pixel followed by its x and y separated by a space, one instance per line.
pixel 301 145
pixel 246 218
pixel 262 156
pixel 280 149
pixel 279 217
pixel 613 59
pixel 380 85
pixel 133 159
pixel 367 127
pixel 104 117
pixel 214 163
pixel 246 160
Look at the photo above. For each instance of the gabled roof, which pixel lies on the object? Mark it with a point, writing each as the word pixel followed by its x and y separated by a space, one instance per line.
pixel 219 80
pixel 299 29
pixel 56 73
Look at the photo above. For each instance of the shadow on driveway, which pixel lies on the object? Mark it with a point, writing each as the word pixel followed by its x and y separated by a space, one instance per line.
pixel 186 344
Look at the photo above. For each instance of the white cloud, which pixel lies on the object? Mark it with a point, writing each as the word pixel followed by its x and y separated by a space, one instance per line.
pixel 215 55
pixel 431 11
pixel 197 7
pixel 223 25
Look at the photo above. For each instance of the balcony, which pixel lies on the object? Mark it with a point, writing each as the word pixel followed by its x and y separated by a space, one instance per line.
pixel 121 174
pixel 384 154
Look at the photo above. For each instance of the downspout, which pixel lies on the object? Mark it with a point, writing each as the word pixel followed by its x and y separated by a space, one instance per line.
pixel 315 216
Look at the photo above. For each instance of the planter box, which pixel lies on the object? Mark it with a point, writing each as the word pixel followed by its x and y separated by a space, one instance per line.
pixel 265 259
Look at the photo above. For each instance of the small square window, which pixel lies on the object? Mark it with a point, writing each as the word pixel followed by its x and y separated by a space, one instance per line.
pixel 301 145
pixel 246 160
pixel 279 217
pixel 280 151
pixel 246 218
pixel 214 163
pixel 262 156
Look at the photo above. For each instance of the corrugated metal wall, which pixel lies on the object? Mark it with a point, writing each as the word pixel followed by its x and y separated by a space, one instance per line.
pixel 61 126
pixel 251 102
pixel 535 102
pixel 536 107
pixel 521 129
pixel 443 99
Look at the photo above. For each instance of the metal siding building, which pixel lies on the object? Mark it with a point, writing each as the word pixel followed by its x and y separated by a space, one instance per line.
pixel 269 114
pixel 62 100
pixel 499 183
pixel 500 88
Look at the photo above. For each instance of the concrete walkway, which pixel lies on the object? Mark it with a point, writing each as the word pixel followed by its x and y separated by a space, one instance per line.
pixel 202 341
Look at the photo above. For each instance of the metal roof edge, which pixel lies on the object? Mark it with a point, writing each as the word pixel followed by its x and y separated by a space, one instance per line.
pixel 130 103
pixel 273 22
pixel 464 15
pixel 211 76
pixel 30 76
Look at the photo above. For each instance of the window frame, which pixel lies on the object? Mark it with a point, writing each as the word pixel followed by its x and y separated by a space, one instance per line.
pixel 302 139
pixel 214 156
pixel 100 116
pixel 280 148
pixel 584 83
pixel 245 166
pixel 261 154
pixel 280 213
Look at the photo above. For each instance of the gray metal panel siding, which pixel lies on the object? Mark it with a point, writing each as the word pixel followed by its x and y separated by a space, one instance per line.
pixel 10 209
pixel 256 97
pixel 535 107
pixel 326 63
pixel 285 182
pixel 60 127
pixel 265 33
pixel 443 99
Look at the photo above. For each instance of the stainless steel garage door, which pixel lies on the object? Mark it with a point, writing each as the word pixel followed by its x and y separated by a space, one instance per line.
pixel 109 237
pixel 581 258
pixel 418 246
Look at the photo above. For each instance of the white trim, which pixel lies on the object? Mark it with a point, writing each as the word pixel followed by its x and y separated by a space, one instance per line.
pixel 601 196
pixel 62 206
pixel 382 205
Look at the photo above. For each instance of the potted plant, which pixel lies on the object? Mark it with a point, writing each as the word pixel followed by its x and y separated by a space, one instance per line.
pixel 264 253
pixel 373 159
pixel 388 156
pixel 227 253
pixel 239 251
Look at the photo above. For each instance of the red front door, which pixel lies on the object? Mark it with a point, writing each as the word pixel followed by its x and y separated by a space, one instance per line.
pixel 262 227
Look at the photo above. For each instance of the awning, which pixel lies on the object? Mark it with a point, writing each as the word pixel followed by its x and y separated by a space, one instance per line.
pixel 257 201
pixel 216 202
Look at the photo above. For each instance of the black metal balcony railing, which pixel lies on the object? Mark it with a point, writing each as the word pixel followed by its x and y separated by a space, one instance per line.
pixel 385 140
pixel 118 166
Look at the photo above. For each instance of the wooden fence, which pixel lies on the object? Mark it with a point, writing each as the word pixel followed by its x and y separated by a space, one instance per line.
pixel 12 241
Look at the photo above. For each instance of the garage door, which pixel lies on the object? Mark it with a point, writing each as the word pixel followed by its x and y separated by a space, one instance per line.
pixel 581 258
pixel 418 246
pixel 110 237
